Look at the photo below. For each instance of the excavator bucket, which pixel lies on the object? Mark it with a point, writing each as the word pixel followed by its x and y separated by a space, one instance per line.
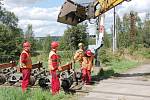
pixel 72 13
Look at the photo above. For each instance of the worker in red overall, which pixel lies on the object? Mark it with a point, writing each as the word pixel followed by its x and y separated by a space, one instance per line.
pixel 87 65
pixel 25 65
pixel 54 67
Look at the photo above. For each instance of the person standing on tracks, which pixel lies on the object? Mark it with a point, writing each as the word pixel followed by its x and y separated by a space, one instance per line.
pixel 78 57
pixel 54 67
pixel 86 66
pixel 25 65
pixel 79 53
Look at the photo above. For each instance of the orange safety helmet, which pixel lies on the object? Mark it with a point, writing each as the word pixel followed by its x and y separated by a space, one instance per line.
pixel 88 53
pixel 26 44
pixel 54 44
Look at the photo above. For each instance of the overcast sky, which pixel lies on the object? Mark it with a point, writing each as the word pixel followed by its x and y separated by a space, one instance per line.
pixel 42 14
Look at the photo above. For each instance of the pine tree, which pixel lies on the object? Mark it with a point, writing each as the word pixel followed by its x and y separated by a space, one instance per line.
pixel 146 31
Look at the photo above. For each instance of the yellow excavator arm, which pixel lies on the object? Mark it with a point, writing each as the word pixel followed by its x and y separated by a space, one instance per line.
pixel 72 13
pixel 105 5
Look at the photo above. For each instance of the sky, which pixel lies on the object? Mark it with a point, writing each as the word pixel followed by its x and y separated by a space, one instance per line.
pixel 42 14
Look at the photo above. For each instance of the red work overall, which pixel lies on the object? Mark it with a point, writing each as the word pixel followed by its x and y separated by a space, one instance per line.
pixel 26 66
pixel 86 69
pixel 86 75
pixel 53 64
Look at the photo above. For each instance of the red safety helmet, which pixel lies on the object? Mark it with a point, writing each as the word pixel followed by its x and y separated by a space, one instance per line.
pixel 54 44
pixel 88 53
pixel 26 44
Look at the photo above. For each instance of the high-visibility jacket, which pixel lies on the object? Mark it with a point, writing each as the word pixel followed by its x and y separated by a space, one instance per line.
pixel 28 63
pixel 78 55
pixel 87 62
pixel 51 62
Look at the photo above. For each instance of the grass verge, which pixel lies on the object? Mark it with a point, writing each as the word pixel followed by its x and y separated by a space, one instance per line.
pixel 35 94
pixel 116 67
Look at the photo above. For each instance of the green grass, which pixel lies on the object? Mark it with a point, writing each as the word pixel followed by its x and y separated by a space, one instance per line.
pixel 115 65
pixel 122 65
pixel 121 61
pixel 34 94
pixel 119 67
pixel 143 52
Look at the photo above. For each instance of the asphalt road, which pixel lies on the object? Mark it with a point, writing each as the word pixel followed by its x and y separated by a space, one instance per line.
pixel 132 85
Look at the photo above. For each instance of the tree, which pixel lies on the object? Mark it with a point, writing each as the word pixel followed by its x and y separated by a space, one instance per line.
pixel 123 30
pixel 1 10
pixel 126 31
pixel 8 18
pixel 29 36
pixel 11 36
pixel 74 35
pixel 139 31
pixel 46 44
pixel 9 44
pixel 133 29
pixel 136 30
pixel 39 44
pixel 129 30
pixel 146 31
pixel 29 32
pixel 119 32
pixel 106 40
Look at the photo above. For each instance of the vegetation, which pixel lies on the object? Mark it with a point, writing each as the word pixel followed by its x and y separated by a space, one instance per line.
pixel 132 42
pixel 121 61
pixel 146 31
pixel 33 94
pixel 72 36
pixel 11 36
pixel 29 36
pixel 133 46
pixel 107 40
pixel 132 29
pixel 46 44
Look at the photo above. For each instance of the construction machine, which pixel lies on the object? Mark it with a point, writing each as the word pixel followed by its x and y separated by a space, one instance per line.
pixel 72 13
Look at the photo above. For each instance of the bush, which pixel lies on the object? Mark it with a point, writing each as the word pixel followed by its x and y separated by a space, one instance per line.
pixel 144 52
pixel 105 58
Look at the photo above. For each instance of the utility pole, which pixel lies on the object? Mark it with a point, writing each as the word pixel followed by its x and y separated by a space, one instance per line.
pixel 114 33
pixel 99 38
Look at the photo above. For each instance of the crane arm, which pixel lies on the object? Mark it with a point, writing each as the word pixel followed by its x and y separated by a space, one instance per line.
pixel 106 5
pixel 72 13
